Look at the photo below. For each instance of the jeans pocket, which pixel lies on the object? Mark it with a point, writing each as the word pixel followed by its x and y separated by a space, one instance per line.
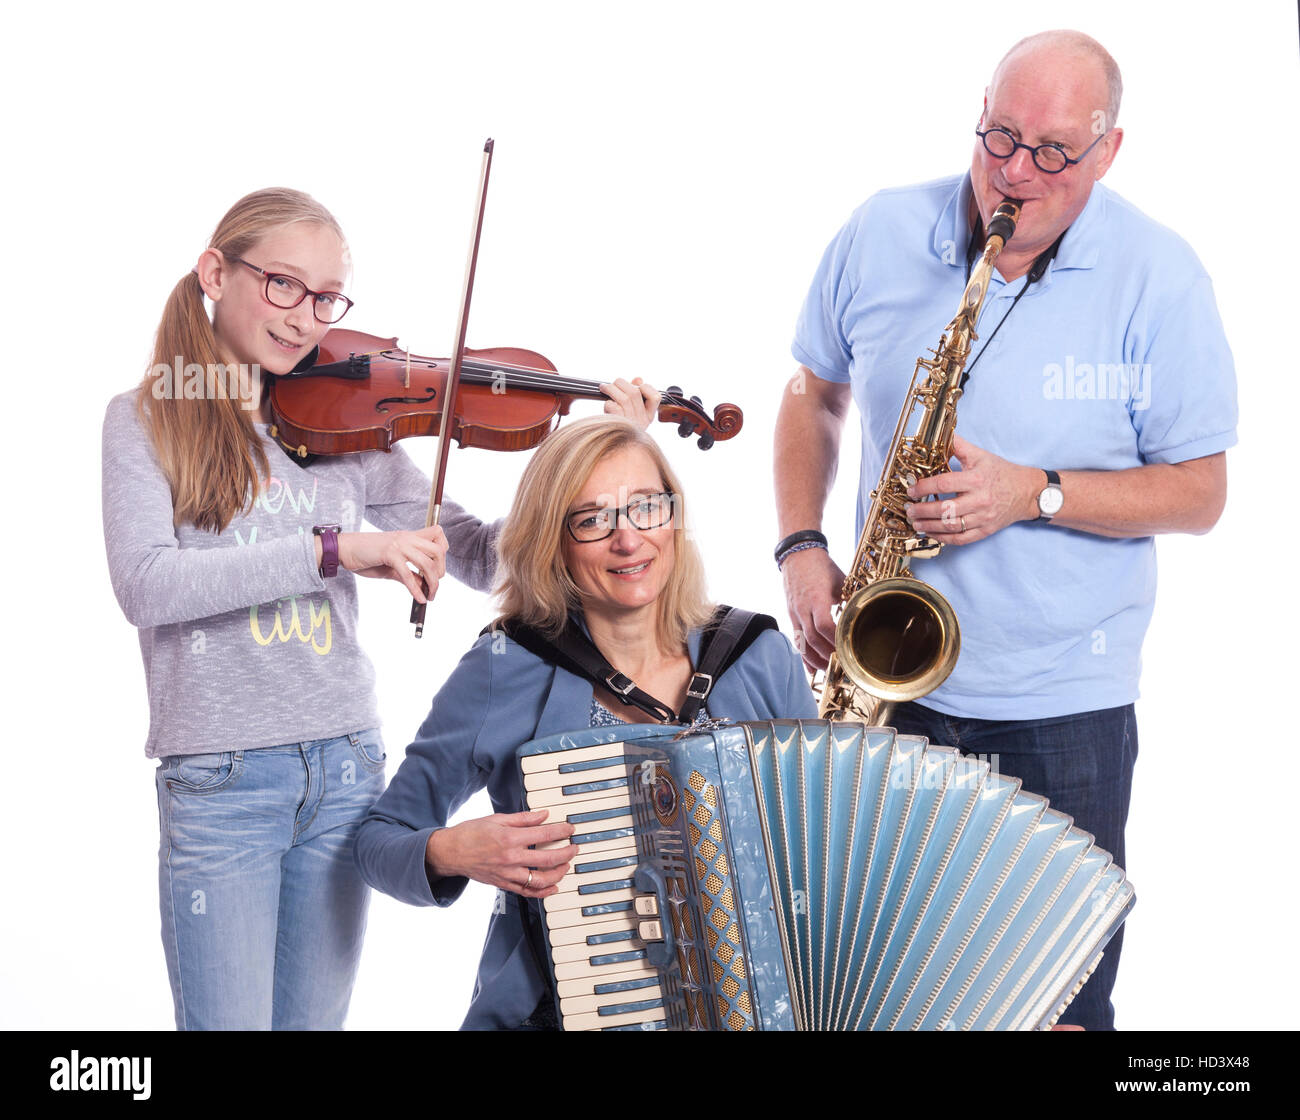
pixel 203 773
pixel 369 748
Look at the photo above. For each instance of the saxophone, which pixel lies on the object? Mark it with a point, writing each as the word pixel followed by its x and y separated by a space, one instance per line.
pixel 896 638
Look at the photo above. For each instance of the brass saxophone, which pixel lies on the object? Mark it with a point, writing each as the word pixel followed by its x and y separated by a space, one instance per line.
pixel 896 638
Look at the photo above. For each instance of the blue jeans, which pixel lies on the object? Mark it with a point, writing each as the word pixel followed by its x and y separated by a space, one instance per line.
pixel 263 910
pixel 1083 765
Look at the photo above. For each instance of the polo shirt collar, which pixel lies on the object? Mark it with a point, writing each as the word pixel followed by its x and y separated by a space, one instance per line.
pixel 1080 249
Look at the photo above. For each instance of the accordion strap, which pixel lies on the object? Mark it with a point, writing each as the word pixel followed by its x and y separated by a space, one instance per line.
pixel 726 636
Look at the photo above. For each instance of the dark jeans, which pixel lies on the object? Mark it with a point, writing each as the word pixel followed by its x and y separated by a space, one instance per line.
pixel 1083 765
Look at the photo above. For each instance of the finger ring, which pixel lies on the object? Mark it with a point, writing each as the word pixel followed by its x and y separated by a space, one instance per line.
pixel 963 524
pixel 529 882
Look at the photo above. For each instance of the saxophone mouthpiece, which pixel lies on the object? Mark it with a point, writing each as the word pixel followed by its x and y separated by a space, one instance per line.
pixel 1005 217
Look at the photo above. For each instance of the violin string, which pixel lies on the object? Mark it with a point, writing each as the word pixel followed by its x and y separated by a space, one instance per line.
pixel 529 378
pixel 523 376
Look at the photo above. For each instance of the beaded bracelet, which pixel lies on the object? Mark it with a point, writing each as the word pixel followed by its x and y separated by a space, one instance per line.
pixel 797 542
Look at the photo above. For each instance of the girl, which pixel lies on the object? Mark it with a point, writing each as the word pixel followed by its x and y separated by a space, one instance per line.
pixel 238 566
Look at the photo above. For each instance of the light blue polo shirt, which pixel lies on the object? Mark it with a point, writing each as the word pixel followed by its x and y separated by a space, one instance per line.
pixel 1115 359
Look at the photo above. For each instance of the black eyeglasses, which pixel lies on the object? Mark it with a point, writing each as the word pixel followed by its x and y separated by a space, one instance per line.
pixel 288 291
pixel 1047 157
pixel 650 511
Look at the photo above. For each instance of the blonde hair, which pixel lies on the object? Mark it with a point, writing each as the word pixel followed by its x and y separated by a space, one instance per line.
pixel 533 583
pixel 208 448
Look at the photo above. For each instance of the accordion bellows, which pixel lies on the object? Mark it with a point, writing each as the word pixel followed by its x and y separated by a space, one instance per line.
pixel 811 875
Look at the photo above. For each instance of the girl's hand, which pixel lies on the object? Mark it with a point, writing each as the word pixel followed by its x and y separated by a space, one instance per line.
pixel 633 399
pixel 417 559
pixel 498 850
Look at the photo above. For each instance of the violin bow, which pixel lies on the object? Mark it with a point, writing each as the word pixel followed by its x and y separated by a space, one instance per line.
pixel 452 389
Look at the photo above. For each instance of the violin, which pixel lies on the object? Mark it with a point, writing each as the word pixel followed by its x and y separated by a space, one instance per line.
pixel 362 392
pixel 359 392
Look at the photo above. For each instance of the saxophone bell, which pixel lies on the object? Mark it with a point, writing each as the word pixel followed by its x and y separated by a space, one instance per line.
pixel 899 638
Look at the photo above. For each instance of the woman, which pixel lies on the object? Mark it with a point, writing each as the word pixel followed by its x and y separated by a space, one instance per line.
pixel 238 565
pixel 592 538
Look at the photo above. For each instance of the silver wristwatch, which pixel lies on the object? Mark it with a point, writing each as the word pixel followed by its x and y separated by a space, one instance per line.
pixel 1050 498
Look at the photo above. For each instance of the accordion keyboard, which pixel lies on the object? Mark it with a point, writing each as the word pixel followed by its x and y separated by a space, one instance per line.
pixel 598 940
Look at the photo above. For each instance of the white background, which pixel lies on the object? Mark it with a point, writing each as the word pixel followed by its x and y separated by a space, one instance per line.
pixel 666 179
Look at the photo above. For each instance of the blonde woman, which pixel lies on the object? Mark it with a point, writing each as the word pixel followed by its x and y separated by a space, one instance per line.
pixel 238 565
pixel 594 543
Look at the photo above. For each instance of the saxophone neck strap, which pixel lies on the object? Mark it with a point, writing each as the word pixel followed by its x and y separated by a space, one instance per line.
pixel 1036 273
pixel 1037 270
pixel 725 637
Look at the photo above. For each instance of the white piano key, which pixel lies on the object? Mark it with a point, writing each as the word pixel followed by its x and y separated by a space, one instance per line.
pixel 572 900
pixel 585 1004
pixel 608 923
pixel 563 919
pixel 587 985
pixel 569 970
pixel 595 848
pixel 551 760
pixel 614 799
pixel 562 795
pixel 572 881
pixel 553 779
pixel 597 1022
pixel 581 951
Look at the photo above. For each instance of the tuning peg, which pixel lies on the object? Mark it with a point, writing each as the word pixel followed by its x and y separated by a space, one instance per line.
pixel 699 403
pixel 674 390
pixel 706 441
pixel 686 428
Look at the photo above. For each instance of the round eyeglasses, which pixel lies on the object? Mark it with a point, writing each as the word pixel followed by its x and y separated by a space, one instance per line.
pixel 288 291
pixel 649 511
pixel 1050 158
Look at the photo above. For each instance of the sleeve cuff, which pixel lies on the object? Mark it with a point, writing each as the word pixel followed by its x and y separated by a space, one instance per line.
pixel 1197 449
pixel 443 889
pixel 819 366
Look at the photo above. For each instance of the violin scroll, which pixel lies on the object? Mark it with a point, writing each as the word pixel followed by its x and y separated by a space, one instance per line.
pixel 691 418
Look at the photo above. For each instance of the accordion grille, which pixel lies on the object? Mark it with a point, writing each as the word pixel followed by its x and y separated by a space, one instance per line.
pixel 718 903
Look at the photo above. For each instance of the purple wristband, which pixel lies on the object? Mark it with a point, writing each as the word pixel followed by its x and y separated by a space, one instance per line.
pixel 329 549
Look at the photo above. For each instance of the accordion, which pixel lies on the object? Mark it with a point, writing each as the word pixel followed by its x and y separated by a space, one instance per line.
pixel 811 875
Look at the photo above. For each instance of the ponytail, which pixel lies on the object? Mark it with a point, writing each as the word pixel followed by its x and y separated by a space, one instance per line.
pixel 208 447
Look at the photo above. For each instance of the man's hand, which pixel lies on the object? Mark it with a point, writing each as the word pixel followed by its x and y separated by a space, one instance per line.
pixel 989 493
pixel 986 495
pixel 812 587
pixel 807 450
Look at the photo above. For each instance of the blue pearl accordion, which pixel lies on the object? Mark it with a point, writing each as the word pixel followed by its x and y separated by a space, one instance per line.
pixel 811 875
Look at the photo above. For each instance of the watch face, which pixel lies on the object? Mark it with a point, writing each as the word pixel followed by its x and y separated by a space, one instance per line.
pixel 1050 501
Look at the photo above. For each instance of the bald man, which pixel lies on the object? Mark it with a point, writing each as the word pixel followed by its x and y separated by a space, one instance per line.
pixel 1099 403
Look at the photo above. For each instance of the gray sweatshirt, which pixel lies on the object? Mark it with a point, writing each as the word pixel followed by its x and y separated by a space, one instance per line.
pixel 244 644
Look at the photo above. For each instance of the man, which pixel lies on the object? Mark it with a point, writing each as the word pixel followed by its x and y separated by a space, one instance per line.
pixel 1100 401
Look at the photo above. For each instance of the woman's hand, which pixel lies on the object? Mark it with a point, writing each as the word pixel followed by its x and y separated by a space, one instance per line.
pixel 417 559
pixel 497 850
pixel 633 399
